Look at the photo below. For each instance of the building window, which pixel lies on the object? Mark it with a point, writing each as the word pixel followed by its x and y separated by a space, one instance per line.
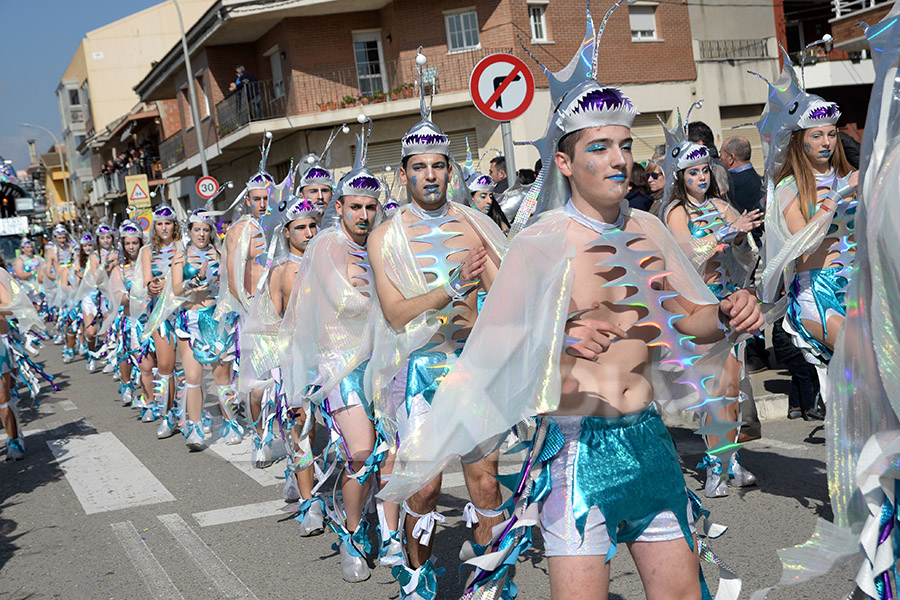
pixel 643 23
pixel 462 31
pixel 73 98
pixel 277 76
pixel 202 98
pixel 538 23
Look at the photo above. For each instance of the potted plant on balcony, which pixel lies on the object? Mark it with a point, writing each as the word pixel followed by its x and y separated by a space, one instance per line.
pixel 378 97
pixel 323 106
pixel 395 93
pixel 332 105
pixel 407 90
pixel 348 101
pixel 363 99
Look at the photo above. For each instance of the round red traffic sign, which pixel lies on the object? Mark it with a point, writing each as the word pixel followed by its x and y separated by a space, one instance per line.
pixel 207 187
pixel 502 87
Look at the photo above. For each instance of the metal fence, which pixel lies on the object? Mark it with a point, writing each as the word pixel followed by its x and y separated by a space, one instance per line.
pixel 171 150
pixel 340 87
pixel 734 49
pixel 843 7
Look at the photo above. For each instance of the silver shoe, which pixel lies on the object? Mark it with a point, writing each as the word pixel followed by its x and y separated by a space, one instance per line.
pixel 68 357
pixel 91 365
pixel 194 439
pixel 127 396
pixel 168 425
pixel 232 432
pixel 391 553
pixel 738 475
pixel 59 339
pixel 150 413
pixel 262 454
pixel 15 449
pixel 716 486
pixel 109 368
pixel 30 348
pixel 291 490
pixel 353 568
pixel 313 522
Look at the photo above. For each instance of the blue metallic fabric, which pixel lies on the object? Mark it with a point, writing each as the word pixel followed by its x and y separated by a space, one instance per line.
pixel 721 290
pixel 628 468
pixel 189 271
pixel 426 369
pixel 354 382
pixel 208 343
pixel 829 289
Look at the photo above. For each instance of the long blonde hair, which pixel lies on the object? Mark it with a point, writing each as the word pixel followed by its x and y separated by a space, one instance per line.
pixel 796 163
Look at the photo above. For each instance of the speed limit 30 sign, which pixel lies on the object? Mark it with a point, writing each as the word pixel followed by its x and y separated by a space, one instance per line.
pixel 207 187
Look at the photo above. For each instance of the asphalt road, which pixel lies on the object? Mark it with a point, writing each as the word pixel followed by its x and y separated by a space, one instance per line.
pixel 101 509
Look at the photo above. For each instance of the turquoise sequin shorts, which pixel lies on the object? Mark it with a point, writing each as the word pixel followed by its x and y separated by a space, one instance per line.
pixel 614 480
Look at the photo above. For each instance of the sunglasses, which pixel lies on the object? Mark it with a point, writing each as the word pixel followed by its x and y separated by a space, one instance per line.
pixel 653 175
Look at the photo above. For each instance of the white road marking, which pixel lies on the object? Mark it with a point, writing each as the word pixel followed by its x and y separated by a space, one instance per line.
pixel 105 475
pixel 145 563
pixel 234 514
pixel 240 454
pixel 224 578
pixel 67 405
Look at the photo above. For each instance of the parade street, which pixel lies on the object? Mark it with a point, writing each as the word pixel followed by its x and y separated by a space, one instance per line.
pixel 99 508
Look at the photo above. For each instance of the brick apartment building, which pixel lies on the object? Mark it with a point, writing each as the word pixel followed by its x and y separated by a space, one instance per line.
pixel 320 64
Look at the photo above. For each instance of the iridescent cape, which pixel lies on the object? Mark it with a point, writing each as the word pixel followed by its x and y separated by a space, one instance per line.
pixel 167 303
pixel 260 350
pixel 509 369
pixel 21 307
pixel 328 324
pixel 391 348
pixel 862 426
pixel 227 303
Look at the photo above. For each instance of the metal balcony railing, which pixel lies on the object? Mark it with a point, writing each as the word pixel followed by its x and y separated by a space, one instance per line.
pixel 343 87
pixel 734 49
pixel 171 150
pixel 844 7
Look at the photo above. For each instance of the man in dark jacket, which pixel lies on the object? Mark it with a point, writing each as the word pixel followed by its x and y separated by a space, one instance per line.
pixel 747 192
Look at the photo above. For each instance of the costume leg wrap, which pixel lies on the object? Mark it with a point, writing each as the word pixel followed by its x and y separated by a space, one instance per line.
pixel 420 583
pixel 226 401
pixel 390 549
pixel 471 512
pixel 424 527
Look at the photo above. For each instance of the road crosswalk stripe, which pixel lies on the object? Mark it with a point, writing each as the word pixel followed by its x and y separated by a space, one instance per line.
pixel 104 473
pixel 234 514
pixel 239 455
pixel 229 584
pixel 145 563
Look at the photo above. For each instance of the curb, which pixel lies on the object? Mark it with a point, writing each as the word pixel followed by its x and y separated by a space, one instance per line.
pixel 769 407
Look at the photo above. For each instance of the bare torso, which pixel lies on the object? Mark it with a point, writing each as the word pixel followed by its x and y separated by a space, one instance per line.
pixel 618 382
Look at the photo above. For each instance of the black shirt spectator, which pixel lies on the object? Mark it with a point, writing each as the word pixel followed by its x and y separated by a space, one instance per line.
pixel 638 195
pixel 498 174
pixel 851 149
pixel 747 191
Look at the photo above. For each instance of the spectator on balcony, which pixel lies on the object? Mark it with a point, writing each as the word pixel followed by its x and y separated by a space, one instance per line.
pixel 498 174
pixel 247 85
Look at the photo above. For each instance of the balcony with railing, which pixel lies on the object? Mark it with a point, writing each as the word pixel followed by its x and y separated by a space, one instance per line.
pixel 171 150
pixel 342 87
pixel 731 50
pixel 848 14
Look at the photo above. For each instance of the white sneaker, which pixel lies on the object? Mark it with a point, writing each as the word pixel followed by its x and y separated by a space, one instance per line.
pixel 68 356
pixel 109 368
pixel 127 396
pixel 59 339
pixel 30 347
pixel 91 365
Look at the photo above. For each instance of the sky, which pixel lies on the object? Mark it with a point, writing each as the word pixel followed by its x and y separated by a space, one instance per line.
pixel 38 41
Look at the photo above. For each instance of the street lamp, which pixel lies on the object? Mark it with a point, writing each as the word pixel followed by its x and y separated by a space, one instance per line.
pixel 62 162
pixel 192 93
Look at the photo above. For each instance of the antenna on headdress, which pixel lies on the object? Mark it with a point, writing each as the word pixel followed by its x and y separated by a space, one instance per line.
pixel 687 118
pixel 264 150
pixel 599 33
pixel 420 62
pixel 210 204
pixel 826 39
pixel 362 140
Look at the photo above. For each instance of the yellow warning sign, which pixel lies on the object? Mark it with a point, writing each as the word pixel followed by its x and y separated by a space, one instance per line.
pixel 137 188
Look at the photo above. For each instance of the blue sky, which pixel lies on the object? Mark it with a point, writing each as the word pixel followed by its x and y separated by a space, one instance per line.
pixel 38 41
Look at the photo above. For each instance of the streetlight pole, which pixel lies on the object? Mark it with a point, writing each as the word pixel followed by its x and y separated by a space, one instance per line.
pixel 62 162
pixel 192 93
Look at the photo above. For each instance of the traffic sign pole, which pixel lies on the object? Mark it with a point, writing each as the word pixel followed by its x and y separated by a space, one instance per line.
pixel 509 153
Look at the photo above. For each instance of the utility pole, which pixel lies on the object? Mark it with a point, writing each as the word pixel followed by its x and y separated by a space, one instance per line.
pixel 192 93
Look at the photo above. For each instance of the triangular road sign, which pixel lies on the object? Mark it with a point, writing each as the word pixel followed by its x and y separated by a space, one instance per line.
pixel 138 194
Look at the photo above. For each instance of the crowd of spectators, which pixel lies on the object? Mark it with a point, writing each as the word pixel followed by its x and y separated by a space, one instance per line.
pixel 143 159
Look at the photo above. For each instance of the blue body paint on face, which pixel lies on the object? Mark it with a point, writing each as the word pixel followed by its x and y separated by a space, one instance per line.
pixel 595 147
pixel 807 147
pixel 591 167
pixel 620 177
